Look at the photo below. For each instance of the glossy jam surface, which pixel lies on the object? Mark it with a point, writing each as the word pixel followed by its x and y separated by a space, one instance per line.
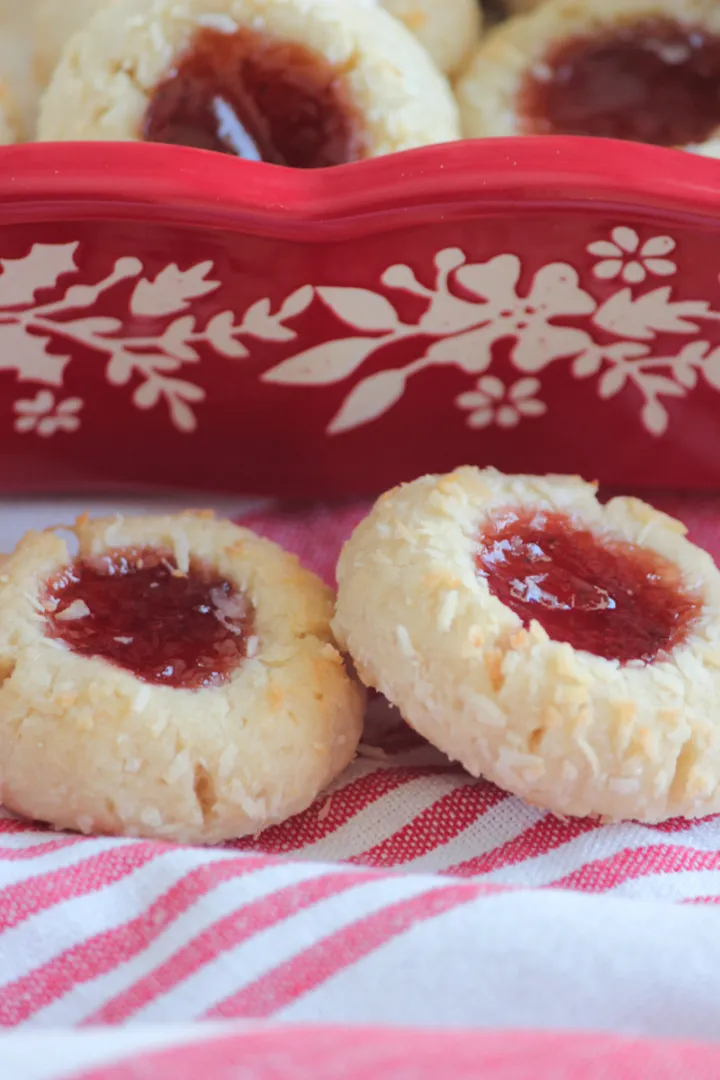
pixel 652 81
pixel 137 610
pixel 257 98
pixel 609 598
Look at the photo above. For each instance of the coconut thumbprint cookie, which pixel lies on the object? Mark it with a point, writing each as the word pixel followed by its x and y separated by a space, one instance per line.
pixel 645 70
pixel 301 83
pixel 177 678
pixel 566 650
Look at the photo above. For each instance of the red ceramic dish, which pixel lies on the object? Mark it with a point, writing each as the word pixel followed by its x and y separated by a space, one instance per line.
pixel 176 318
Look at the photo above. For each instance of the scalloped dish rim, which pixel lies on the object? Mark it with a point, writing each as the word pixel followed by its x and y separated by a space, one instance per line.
pixel 46 181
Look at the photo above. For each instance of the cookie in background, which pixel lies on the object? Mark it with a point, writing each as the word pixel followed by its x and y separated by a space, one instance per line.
pixel 448 29
pixel 642 70
pixel 54 23
pixel 18 88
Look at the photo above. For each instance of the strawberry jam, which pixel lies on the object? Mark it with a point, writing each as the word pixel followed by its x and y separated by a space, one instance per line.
pixel 137 610
pixel 654 81
pixel 604 596
pixel 257 98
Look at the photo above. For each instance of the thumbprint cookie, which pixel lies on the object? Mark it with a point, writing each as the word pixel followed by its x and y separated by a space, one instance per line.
pixel 644 70
pixel 566 650
pixel 177 678
pixel 301 83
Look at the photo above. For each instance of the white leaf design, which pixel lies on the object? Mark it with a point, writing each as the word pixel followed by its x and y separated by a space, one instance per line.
pixel 655 417
pixel 26 354
pixel 694 352
pixel 587 364
pixel 542 343
pixel 660 384
pixel 327 363
pixel 449 315
pixel 686 375
pixel 556 290
pixel 645 316
pixel 94 325
pixel 470 352
pixel 174 340
pixel 369 400
pixel 148 395
pixel 360 308
pixel 182 416
pixel 495 280
pixel 626 350
pixel 449 259
pixel 186 390
pixel 172 290
pixel 612 382
pixel 220 335
pixel 296 303
pixel 711 368
pixel 261 324
pixel 22 278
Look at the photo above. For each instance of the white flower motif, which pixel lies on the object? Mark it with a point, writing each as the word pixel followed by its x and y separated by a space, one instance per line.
pixel 491 403
pixel 45 417
pixel 624 257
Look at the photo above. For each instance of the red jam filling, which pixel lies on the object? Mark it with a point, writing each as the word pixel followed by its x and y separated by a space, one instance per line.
pixel 653 81
pixel 607 597
pixel 257 98
pixel 137 610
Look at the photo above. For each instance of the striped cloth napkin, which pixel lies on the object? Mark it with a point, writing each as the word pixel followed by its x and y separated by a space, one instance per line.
pixel 408 895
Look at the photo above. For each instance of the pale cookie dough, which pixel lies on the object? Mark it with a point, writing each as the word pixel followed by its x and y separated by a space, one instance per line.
pixel 9 117
pixel 19 93
pixel 567 729
pixel 55 22
pixel 489 91
pixel 104 83
pixel 449 29
pixel 86 744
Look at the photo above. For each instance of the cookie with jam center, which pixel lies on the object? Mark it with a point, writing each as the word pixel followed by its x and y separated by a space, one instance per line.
pixel 177 679
pixel 566 650
pixel 300 83
pixel 641 70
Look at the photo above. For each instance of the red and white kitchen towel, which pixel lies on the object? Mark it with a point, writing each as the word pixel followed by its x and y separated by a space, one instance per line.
pixel 409 895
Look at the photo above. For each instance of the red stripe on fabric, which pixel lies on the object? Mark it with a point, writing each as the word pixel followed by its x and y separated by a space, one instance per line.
pixel 633 863
pixel 33 895
pixel 225 934
pixel 314 966
pixel 102 953
pixel 20 825
pixel 702 900
pixel 435 826
pixel 546 835
pixel 309 828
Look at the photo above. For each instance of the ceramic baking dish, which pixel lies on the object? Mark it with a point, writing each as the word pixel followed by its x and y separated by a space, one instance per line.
pixel 176 318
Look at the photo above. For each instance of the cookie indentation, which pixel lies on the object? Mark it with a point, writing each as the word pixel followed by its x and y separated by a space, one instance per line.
pixel 136 609
pixel 258 98
pixel 604 596
pixel 653 81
